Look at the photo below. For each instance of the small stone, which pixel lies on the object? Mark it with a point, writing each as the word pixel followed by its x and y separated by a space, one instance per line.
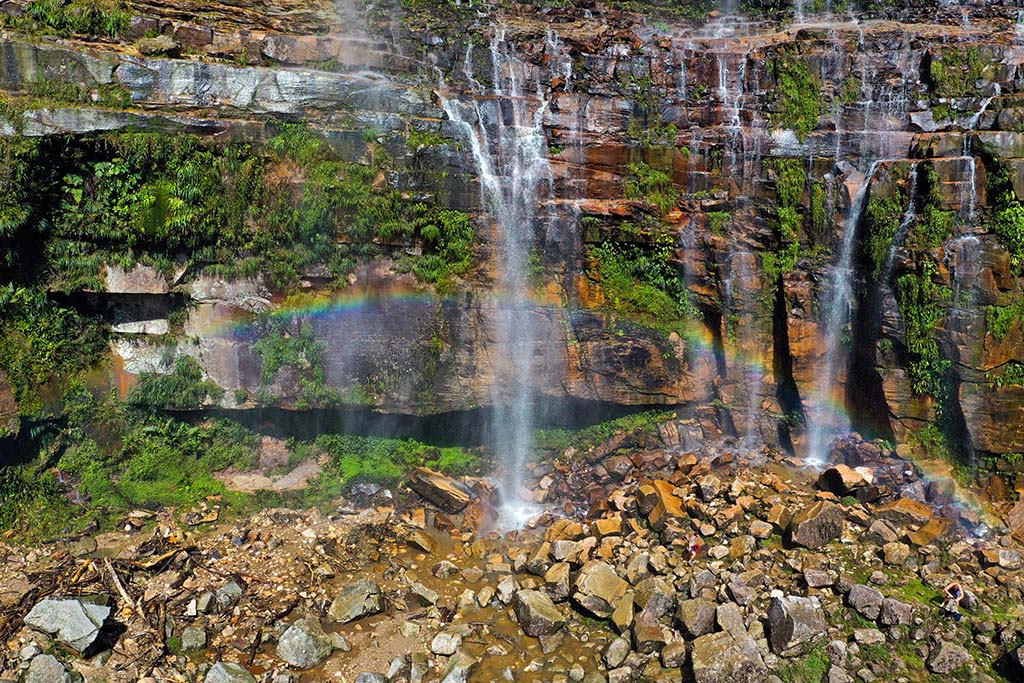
pixel 896 553
pixel 459 668
pixel 446 643
pixel 423 594
pixel 868 636
pixel 759 529
pixel 616 652
pixel 193 638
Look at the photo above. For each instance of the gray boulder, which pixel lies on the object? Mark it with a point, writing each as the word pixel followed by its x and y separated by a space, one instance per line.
pixel 866 600
pixel 228 672
pixel 47 669
pixel 536 613
pixel 896 613
pixel 304 644
pixel 361 599
pixel 720 658
pixel 795 624
pixel 74 622
pixel 946 657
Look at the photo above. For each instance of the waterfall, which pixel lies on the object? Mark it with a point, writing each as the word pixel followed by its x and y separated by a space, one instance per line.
pixel 837 316
pixel 743 305
pixel 504 127
pixel 965 261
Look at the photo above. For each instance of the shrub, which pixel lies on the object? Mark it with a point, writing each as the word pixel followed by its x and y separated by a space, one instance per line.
pixel 184 388
pixel 798 93
pixel 651 186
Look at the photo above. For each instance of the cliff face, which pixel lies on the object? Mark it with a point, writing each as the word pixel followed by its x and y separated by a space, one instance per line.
pixel 785 225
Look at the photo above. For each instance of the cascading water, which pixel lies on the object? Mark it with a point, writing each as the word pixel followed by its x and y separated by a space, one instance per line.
pixel 824 422
pixel 742 303
pixel 504 127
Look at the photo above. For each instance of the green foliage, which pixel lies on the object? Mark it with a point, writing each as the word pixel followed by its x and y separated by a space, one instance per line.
pixel 418 139
pixel 999 320
pixel 882 219
pixel 1012 373
pixel 790 183
pixel 360 458
pixel 808 669
pixel 557 441
pixel 1008 226
pixel 293 344
pixel 642 282
pixel 717 220
pixel 798 93
pixel 184 388
pixel 918 297
pixel 651 186
pixel 236 210
pixel 790 180
pixel 104 18
pixel 45 348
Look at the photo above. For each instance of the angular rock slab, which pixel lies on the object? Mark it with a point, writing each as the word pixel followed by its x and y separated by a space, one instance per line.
pixel 817 525
pixel 74 622
pixel 444 492
pixel 720 658
pixel 795 624
pixel 361 599
pixel 304 644
pixel 947 657
pixel 536 613
pixel 599 588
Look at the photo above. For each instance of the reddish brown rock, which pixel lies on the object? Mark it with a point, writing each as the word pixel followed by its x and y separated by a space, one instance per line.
pixel 444 492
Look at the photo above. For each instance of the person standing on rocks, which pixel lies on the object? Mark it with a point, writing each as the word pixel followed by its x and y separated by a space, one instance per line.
pixel 695 546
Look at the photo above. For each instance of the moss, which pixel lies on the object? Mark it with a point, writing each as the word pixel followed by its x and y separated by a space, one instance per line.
pixel 381 460
pixel 811 668
pixel 954 71
pixel 798 96
pixel 184 388
pixel 555 442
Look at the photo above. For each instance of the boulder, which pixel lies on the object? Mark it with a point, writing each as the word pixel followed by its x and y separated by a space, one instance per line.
pixel 424 595
pixel 904 512
pixel 599 588
pixel 459 667
pixel 896 613
pixel 536 613
pixel 648 634
pixel 446 642
pixel 47 669
pixel 616 652
pixel 361 599
pixel 817 525
pixel 667 506
pixel 1007 558
pixel 709 486
pixel 228 672
pixel 556 581
pixel 304 644
pixel 697 616
pixel 795 624
pixel 655 595
pixel 841 480
pixel 444 492
pixel 946 657
pixel 74 622
pixel 721 658
pixel 866 600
